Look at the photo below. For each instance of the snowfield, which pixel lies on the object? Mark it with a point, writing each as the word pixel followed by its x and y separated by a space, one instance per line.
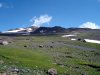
pixel 92 41
pixel 68 35
pixel 18 30
pixel 73 39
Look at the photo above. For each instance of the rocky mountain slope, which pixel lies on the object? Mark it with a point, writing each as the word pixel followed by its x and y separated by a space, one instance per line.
pixel 80 32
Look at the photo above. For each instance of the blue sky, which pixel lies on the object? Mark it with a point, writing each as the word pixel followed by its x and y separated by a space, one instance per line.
pixel 65 13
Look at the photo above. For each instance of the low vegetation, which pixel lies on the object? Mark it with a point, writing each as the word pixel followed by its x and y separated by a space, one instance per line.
pixel 35 55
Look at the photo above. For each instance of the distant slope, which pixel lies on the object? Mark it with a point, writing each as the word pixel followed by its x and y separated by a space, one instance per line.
pixel 80 32
pixel 49 30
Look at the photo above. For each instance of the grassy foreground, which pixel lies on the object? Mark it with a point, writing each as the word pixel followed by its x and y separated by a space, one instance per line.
pixel 64 55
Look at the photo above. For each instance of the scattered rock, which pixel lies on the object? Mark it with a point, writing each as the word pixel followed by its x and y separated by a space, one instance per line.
pixel 86 55
pixel 68 56
pixel 77 67
pixel 79 39
pixel 41 46
pixel 96 53
pixel 4 57
pixel 1 61
pixel 93 66
pixel 52 42
pixel 13 70
pixel 51 46
pixel 3 42
pixel 27 39
pixel 25 46
pixel 84 41
pixel 3 73
pixel 54 63
pixel 9 42
pixel 98 70
pixel 52 71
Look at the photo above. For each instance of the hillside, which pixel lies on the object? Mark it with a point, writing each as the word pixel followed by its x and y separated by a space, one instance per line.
pixel 43 50
pixel 35 55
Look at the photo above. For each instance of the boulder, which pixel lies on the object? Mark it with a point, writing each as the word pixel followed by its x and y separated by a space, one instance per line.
pixel 52 71
pixel 3 42
pixel 1 61
pixel 41 46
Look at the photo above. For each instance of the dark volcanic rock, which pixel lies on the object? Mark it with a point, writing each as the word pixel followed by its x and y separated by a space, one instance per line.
pixel 49 30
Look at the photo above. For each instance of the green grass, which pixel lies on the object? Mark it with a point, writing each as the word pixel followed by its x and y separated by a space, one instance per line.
pixel 68 60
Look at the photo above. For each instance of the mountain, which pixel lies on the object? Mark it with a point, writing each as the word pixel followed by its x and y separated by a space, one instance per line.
pixel 80 32
pixel 36 30
pixel 21 30
pixel 49 30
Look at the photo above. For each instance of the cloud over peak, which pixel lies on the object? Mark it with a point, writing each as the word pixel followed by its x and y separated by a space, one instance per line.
pixel 41 20
pixel 90 25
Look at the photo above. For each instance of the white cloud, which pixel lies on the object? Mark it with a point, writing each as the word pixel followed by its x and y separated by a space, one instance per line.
pixel 1 5
pixel 90 25
pixel 41 20
pixel 6 5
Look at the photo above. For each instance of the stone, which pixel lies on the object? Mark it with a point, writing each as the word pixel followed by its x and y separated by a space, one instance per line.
pixel 52 71
pixel 41 46
pixel 3 42
pixel 1 61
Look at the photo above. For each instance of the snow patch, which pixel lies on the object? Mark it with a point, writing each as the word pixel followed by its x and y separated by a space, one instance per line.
pixel 14 31
pixel 73 39
pixel 29 29
pixel 92 41
pixel 68 35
